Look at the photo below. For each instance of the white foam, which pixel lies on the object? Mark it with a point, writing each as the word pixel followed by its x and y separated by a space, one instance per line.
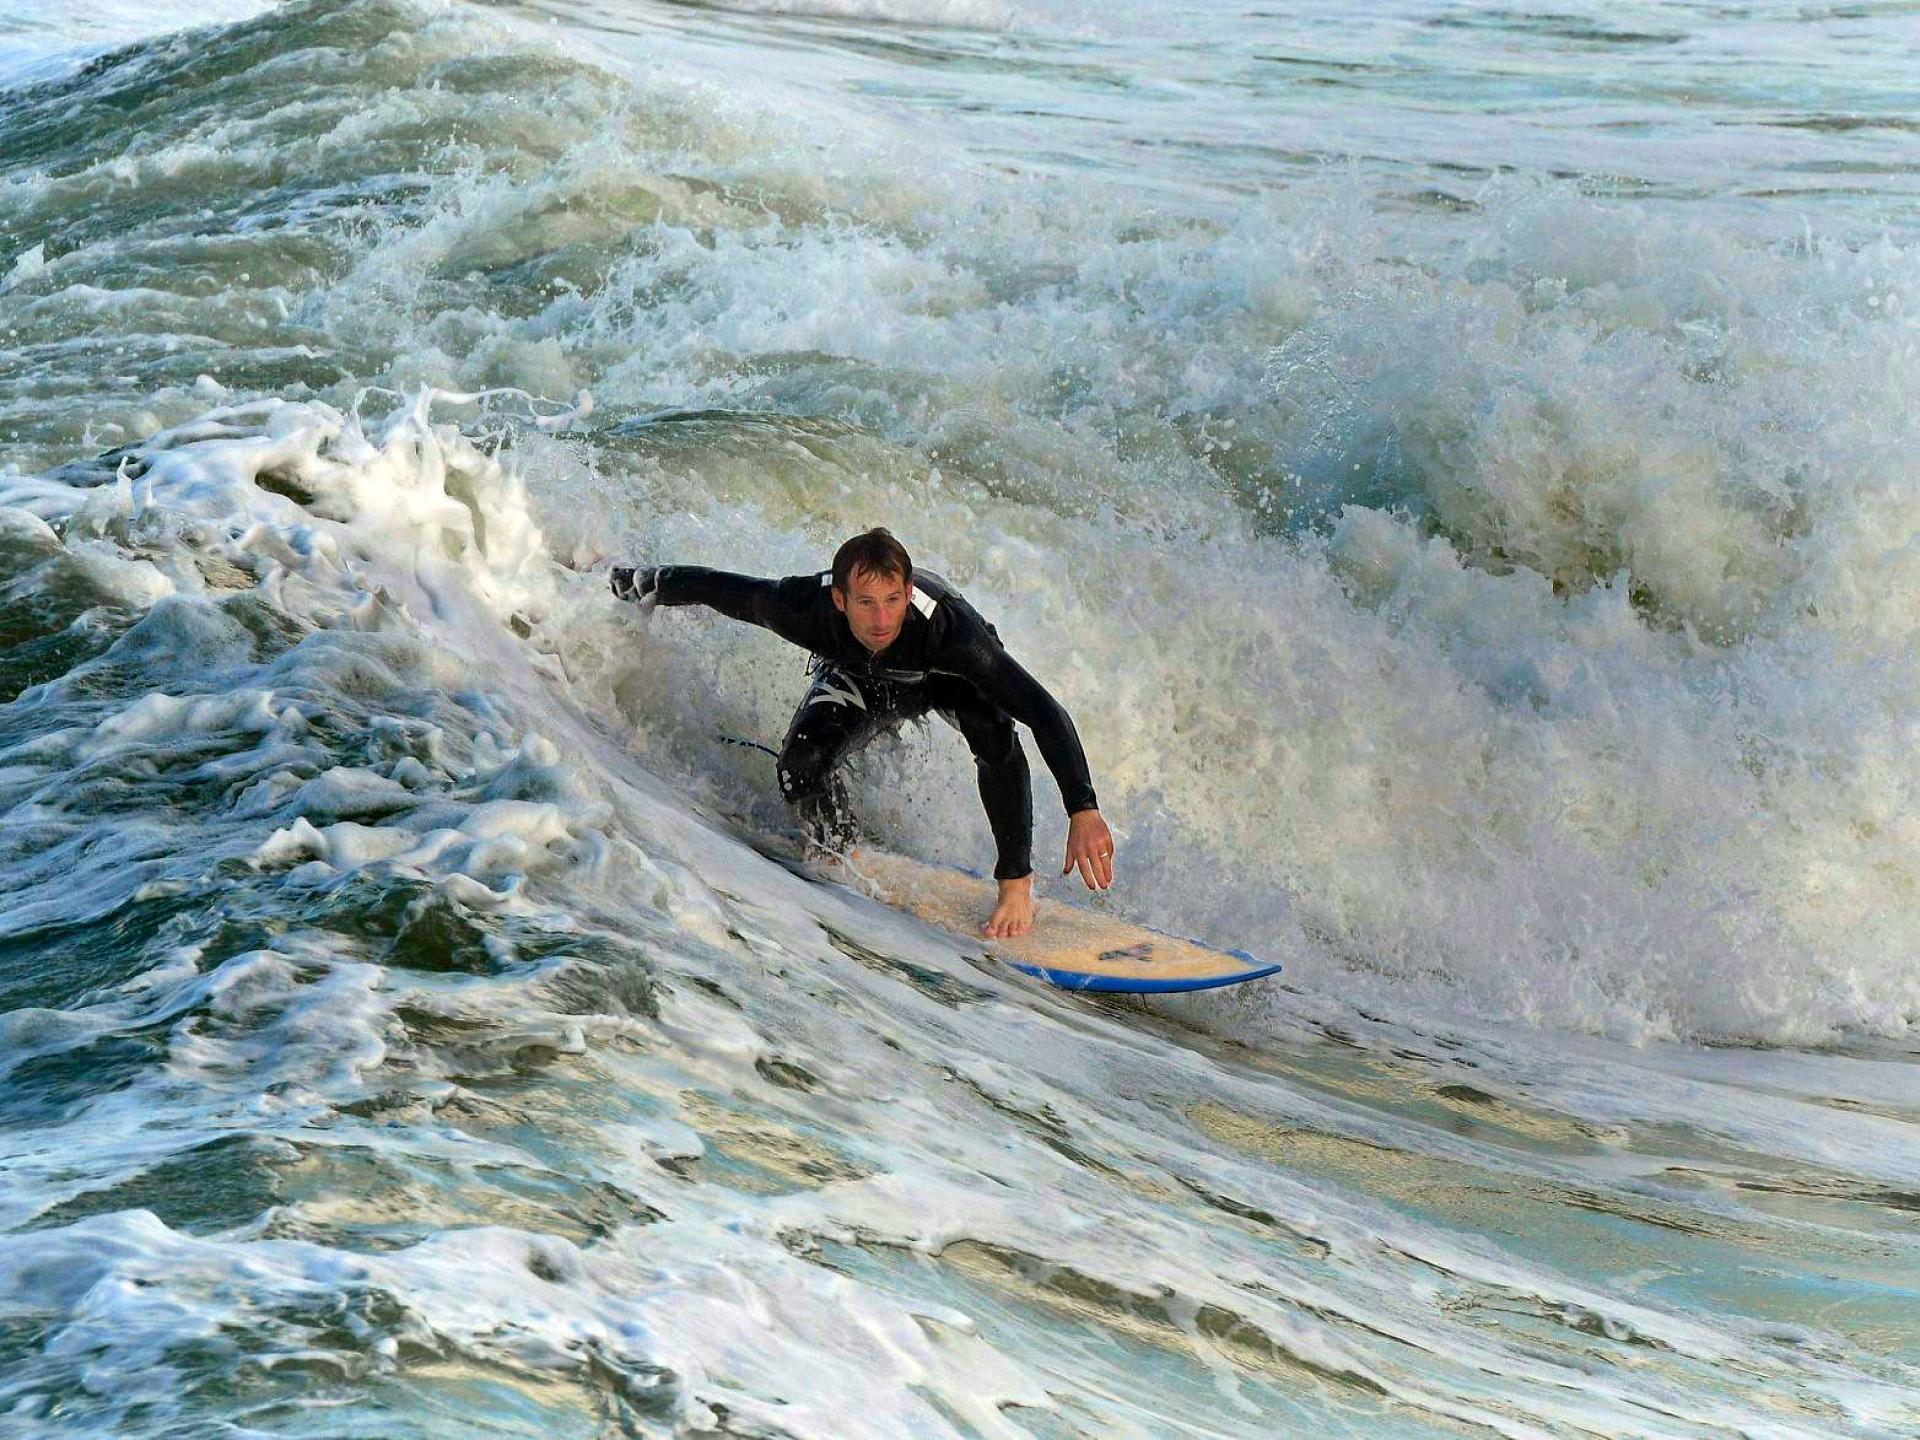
pixel 1537 803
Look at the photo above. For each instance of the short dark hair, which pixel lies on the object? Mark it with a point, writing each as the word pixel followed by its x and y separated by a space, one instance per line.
pixel 877 553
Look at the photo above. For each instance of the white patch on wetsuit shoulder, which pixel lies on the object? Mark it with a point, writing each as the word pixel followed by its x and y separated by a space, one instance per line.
pixel 923 602
pixel 826 577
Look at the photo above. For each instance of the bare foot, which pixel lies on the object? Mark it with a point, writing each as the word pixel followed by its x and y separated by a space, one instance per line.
pixel 1013 912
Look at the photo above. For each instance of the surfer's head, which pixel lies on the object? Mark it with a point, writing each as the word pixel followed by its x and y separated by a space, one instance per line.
pixel 872 587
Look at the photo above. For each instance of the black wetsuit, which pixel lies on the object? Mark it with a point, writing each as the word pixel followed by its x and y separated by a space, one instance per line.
pixel 945 659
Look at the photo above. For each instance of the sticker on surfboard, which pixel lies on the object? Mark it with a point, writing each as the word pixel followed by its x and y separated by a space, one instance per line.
pixel 1069 947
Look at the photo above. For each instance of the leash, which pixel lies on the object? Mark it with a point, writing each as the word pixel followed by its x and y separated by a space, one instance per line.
pixel 749 744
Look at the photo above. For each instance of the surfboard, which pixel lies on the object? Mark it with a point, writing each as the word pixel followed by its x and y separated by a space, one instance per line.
pixel 1070 947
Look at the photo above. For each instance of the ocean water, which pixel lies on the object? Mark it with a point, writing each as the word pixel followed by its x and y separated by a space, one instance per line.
pixel 1456 462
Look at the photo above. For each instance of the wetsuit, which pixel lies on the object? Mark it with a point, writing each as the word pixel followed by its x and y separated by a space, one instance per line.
pixel 946 659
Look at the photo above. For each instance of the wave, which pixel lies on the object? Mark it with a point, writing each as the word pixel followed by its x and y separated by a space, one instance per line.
pixel 1503 608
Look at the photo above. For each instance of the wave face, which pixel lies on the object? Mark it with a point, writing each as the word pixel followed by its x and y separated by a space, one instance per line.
pixel 1456 466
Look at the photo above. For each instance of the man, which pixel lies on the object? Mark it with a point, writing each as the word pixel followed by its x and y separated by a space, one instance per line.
pixel 891 643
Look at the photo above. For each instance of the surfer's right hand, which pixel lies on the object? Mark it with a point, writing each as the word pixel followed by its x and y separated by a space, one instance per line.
pixel 633 584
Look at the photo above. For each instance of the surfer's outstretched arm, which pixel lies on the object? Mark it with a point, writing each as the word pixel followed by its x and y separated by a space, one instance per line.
pixel 777 605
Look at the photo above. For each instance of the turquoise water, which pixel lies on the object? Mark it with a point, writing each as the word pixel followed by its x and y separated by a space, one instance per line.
pixel 1455 463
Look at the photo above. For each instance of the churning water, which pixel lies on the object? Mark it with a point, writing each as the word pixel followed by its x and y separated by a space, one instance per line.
pixel 1458 465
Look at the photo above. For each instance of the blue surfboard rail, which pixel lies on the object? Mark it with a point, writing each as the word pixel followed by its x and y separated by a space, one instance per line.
pixel 1118 985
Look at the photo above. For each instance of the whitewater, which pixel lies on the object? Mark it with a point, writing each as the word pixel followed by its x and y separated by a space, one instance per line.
pixel 1457 464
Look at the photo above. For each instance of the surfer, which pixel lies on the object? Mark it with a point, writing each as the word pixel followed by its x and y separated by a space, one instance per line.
pixel 891 643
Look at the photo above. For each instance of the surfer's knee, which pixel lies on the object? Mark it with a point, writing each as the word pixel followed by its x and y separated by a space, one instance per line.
pixel 803 767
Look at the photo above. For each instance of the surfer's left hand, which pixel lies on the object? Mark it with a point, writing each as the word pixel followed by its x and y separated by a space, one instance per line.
pixel 635 583
pixel 1090 846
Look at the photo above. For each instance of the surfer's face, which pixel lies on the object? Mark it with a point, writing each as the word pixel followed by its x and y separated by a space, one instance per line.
pixel 875 607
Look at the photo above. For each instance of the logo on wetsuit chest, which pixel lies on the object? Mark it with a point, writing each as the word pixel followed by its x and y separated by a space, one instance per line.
pixel 827 692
